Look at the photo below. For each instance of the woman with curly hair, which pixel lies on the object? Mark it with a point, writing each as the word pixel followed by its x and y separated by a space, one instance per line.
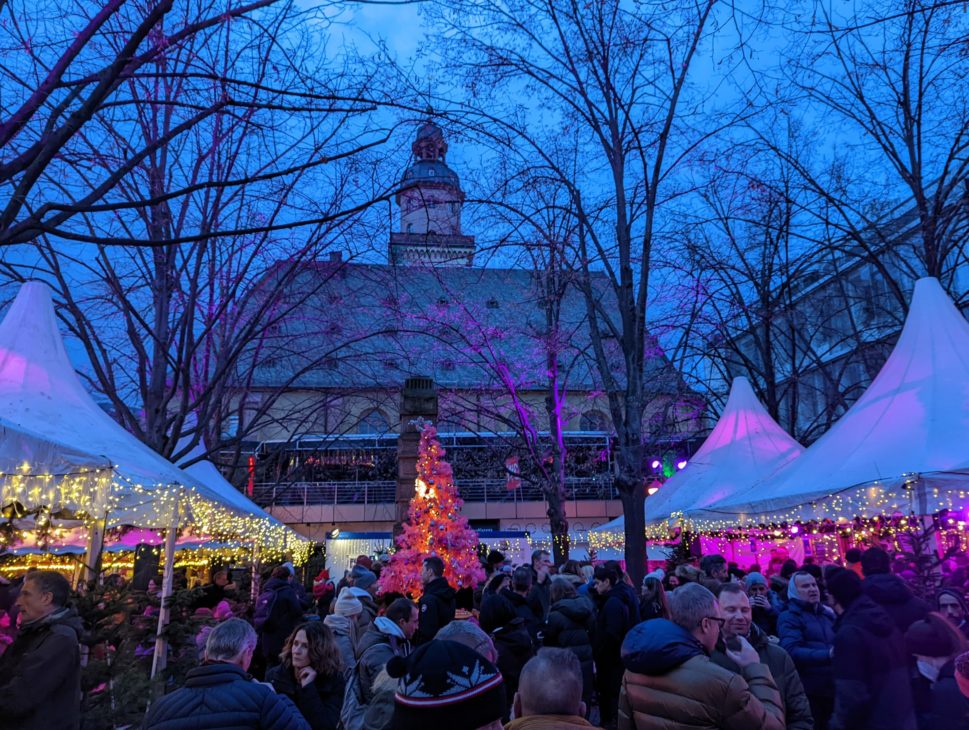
pixel 310 673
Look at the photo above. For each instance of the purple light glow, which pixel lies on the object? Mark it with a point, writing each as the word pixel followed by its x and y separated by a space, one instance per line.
pixel 795 529
pixel 681 464
pixel 655 464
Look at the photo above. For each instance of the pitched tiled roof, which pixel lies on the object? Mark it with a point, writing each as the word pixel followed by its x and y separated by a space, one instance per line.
pixel 365 326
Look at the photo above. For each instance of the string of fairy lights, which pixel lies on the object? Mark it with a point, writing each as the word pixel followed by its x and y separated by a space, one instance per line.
pixel 33 502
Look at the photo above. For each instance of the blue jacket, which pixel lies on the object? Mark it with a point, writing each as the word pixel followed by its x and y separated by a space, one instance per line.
pixel 873 690
pixel 222 696
pixel 807 634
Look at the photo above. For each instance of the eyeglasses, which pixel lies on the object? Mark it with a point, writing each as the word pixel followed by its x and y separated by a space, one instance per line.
pixel 720 621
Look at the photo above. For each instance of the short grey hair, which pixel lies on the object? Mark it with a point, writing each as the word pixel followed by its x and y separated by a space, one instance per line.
pixel 465 632
pixel 690 604
pixel 229 639
pixel 551 683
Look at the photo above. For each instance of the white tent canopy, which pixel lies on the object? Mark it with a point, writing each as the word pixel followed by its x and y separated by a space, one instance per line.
pixel 40 392
pixel 744 447
pixel 900 448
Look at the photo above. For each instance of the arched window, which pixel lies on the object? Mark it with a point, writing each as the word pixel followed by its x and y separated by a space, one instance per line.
pixel 594 420
pixel 373 422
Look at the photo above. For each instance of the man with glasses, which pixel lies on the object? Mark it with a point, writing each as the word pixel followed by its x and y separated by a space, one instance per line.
pixel 671 682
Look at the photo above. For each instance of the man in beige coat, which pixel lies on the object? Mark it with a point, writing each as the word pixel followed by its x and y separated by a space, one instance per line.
pixel 671 684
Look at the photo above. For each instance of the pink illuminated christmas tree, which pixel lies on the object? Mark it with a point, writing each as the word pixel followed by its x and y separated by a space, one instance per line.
pixel 434 526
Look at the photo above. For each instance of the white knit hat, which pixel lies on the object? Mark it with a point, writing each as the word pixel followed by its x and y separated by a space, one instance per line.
pixel 347 604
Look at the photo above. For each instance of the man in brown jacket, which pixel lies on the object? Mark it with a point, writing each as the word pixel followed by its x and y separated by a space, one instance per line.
pixel 671 684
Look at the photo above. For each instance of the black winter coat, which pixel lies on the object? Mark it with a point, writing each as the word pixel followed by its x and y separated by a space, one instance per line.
pixel 807 634
pixel 514 647
pixel 287 612
pixel 524 609
pixel 222 696
pixel 319 704
pixel 40 675
pixel 436 607
pixel 940 704
pixel 871 676
pixel 613 622
pixel 571 625
pixel 891 593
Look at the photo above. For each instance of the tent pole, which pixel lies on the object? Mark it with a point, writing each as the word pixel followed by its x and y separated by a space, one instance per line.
pixel 254 575
pixel 95 544
pixel 159 660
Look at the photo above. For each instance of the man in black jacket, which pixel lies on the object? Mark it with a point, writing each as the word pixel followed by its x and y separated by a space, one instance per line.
pixel 40 673
pixel 437 604
pixel 219 694
pixel 872 690
pixel 889 591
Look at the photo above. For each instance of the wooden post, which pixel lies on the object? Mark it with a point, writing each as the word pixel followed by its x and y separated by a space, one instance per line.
pixel 160 658
pixel 95 544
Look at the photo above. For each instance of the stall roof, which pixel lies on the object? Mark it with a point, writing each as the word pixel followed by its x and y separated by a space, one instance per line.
pixel 901 448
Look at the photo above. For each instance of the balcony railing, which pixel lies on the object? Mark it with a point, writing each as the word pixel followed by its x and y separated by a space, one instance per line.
pixel 383 492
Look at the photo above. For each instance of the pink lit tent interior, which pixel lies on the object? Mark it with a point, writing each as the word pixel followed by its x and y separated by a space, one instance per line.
pixel 745 446
pixel 901 450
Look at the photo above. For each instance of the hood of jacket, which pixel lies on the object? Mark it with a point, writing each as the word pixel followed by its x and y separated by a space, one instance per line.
pixel 886 589
pixel 276 584
pixel 658 646
pixel 338 624
pixel 387 627
pixel 215 673
pixel 439 587
pixel 576 609
pixel 61 617
pixel 865 614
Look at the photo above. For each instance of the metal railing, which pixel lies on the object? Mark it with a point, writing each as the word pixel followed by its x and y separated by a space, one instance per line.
pixel 383 492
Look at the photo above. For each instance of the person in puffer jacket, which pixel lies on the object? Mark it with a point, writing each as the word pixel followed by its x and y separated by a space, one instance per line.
pixel 889 591
pixel 671 684
pixel 220 695
pixel 871 666
pixel 571 625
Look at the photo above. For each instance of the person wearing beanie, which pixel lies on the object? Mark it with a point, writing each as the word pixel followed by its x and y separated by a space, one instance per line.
pixel 889 591
pixel 806 631
pixel 472 636
pixel 764 606
pixel 871 667
pixel 343 623
pixel 935 643
pixel 951 603
pixel 445 685
pixel 364 588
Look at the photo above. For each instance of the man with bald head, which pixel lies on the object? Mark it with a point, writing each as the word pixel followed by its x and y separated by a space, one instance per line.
pixel 550 693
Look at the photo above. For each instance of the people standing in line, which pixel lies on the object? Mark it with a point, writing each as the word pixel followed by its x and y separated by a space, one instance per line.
pixel 571 625
pixel 670 681
pixel 389 636
pixel 806 631
pixel 277 613
pixel 951 603
pixel 935 643
pixel 549 695
pixel 220 693
pixel 735 607
pixel 343 623
pixel 652 600
pixel 889 591
pixel 310 673
pixel 614 620
pixel 437 603
pixel 538 597
pixel 871 666
pixel 40 672
pixel 763 603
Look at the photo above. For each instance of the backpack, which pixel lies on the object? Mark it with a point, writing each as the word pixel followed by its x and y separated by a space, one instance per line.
pixel 353 713
pixel 264 609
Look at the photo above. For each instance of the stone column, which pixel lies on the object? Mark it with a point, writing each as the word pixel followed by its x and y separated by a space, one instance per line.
pixel 418 400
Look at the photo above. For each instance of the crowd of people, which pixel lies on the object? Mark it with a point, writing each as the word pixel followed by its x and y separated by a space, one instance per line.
pixel 707 645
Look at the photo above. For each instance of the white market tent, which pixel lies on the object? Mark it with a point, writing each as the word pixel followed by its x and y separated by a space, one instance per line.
pixel 900 449
pixel 745 447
